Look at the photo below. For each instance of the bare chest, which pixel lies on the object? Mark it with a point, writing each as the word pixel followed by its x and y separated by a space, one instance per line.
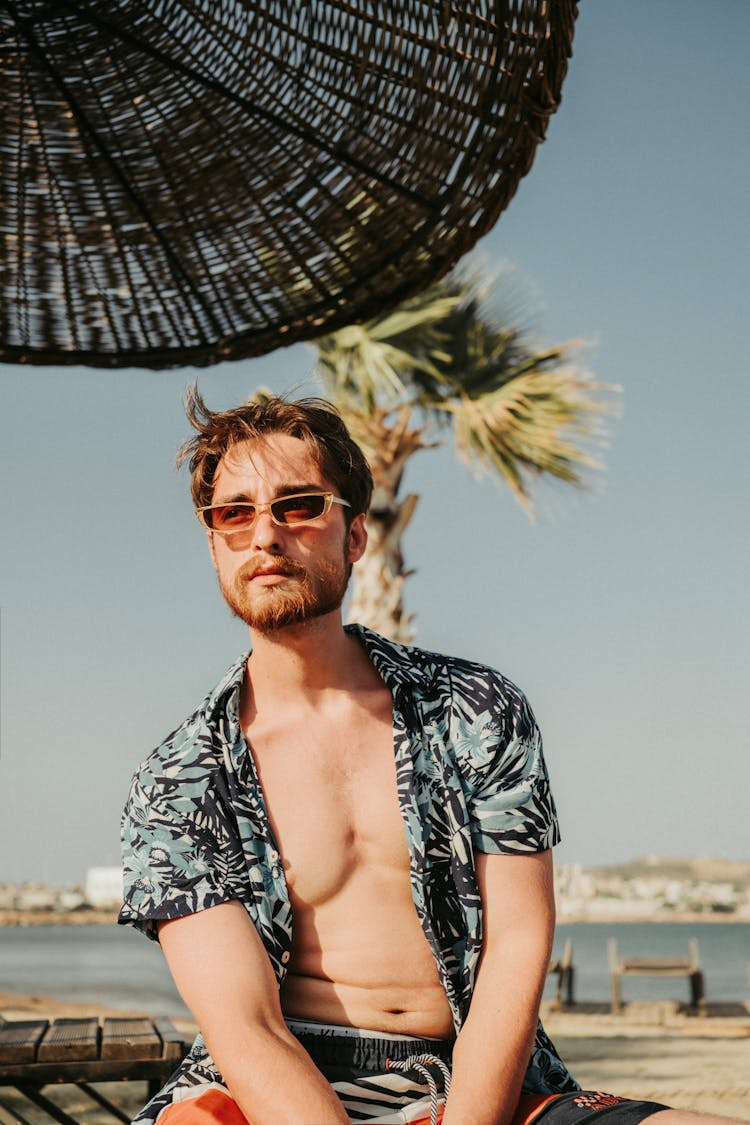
pixel 329 784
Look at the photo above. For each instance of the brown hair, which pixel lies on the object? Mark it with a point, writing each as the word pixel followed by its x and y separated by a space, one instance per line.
pixel 314 421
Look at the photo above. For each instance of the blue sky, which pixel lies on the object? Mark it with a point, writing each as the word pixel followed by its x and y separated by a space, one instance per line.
pixel 622 611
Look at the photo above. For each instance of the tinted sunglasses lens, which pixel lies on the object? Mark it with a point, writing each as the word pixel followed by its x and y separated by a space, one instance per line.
pixel 298 509
pixel 230 517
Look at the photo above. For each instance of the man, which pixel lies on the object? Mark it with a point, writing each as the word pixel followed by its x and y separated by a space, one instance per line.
pixel 345 851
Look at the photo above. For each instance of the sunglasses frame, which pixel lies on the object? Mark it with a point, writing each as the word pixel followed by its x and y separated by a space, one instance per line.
pixel 328 501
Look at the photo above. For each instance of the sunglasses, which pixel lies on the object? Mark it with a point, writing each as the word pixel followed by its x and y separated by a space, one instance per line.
pixel 286 511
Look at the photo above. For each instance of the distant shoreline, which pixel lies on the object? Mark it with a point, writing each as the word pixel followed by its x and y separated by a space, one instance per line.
pixel 22 918
pixel 641 919
pixel 58 918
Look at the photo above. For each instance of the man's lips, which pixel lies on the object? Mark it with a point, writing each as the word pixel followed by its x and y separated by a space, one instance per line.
pixel 281 568
pixel 269 578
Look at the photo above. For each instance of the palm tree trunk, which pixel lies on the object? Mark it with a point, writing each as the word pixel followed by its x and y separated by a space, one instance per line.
pixel 377 591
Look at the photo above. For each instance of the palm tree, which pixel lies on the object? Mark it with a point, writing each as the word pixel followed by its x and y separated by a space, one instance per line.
pixel 441 361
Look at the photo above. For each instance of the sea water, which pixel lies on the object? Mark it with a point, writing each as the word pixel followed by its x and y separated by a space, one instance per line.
pixel 105 964
pixel 118 967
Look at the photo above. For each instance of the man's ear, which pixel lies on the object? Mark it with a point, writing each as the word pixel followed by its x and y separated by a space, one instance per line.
pixel 357 539
pixel 211 549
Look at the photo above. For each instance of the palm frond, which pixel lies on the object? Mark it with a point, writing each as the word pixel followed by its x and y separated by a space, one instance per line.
pixel 380 361
pixel 542 421
pixel 431 308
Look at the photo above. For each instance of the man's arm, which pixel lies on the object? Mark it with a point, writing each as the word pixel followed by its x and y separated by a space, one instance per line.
pixel 224 976
pixel 493 1047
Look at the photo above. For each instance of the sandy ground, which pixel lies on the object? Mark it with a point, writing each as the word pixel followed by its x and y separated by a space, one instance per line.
pixel 657 1051
pixel 661 1052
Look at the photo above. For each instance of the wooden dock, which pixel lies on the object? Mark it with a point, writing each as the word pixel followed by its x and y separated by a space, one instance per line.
pixel 564 970
pixel 689 967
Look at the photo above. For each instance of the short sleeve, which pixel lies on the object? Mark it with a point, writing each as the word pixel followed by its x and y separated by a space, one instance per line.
pixel 511 808
pixel 178 854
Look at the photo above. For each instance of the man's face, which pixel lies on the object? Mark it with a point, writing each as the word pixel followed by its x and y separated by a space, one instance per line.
pixel 274 577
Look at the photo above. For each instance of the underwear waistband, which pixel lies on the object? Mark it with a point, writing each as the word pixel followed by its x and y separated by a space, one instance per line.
pixel 363 1048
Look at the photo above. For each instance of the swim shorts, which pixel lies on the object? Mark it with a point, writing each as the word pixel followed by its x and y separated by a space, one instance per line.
pixel 386 1079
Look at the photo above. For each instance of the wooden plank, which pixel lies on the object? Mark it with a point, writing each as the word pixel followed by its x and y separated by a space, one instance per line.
pixel 70 1040
pixel 94 1070
pixel 646 965
pixel 75 1051
pixel 174 1045
pixel 130 1039
pixel 19 1040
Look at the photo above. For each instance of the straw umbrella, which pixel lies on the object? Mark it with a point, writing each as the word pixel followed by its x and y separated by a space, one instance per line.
pixel 197 180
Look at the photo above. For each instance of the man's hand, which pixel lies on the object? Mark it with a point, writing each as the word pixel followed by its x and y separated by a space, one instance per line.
pixel 225 977
pixel 494 1045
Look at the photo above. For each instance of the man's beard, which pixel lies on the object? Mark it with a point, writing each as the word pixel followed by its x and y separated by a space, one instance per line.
pixel 306 596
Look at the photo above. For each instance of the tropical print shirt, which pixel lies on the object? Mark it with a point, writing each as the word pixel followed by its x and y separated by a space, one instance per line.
pixel 471 777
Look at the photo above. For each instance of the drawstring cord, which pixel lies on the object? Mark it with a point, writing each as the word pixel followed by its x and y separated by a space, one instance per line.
pixel 421 1064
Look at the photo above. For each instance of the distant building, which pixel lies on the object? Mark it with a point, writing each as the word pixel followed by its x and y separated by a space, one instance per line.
pixel 103 887
pixel 70 898
pixel 34 896
pixel 652 888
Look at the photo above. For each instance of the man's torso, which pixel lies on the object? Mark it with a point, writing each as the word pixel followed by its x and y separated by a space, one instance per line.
pixel 359 955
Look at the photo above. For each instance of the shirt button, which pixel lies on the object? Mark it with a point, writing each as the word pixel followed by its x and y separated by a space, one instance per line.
pixel 275 872
pixel 273 855
pixel 285 957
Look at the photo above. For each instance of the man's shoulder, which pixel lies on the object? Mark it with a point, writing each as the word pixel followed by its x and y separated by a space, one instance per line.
pixel 438 672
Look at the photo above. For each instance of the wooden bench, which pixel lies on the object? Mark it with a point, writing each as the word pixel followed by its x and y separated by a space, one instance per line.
pixel 564 969
pixel 658 967
pixel 35 1053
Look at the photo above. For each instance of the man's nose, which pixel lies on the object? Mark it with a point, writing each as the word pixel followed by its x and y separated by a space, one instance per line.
pixel 265 533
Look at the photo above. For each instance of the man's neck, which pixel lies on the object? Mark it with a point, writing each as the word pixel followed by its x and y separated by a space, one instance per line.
pixel 313 660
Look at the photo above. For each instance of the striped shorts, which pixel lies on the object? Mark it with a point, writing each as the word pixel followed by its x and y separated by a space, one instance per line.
pixel 388 1079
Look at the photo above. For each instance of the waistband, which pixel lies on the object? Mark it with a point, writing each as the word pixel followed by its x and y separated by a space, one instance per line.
pixel 363 1048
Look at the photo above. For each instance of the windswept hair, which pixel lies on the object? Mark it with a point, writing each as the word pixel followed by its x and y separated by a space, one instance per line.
pixel 313 420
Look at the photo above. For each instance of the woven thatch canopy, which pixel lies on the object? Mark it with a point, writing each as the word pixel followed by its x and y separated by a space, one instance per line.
pixel 187 181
